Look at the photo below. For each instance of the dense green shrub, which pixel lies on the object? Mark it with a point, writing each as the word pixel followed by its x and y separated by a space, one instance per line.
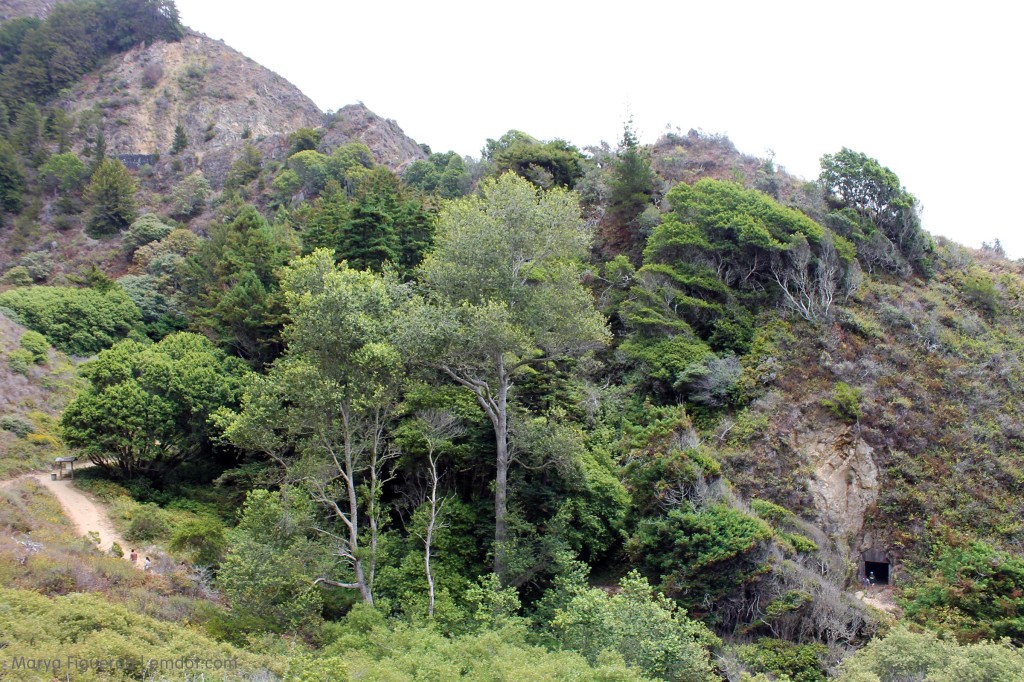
pixel 19 426
pixel 905 655
pixel 36 344
pixel 77 321
pixel 269 570
pixel 147 524
pixel 86 627
pixel 701 555
pixel 972 590
pixel 202 539
pixel 647 630
pixel 786 660
pixel 39 265
pixel 845 402
pixel 17 276
pixel 20 360
pixel 147 228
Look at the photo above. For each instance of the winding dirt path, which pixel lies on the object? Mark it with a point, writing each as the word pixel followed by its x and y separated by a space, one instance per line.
pixel 84 513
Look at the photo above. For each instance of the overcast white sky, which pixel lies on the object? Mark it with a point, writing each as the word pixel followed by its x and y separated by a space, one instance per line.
pixel 930 89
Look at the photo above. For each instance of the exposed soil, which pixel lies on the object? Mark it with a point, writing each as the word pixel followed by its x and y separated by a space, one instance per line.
pixel 87 515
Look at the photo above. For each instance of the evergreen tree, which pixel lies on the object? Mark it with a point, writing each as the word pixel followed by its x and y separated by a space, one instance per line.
pixel 28 134
pixel 12 181
pixel 180 140
pixel 98 151
pixel 111 193
pixel 632 186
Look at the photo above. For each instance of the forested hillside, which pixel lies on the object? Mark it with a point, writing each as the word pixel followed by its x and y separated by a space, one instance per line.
pixel 377 412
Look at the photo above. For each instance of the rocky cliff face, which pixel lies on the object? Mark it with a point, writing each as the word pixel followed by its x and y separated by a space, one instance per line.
pixel 391 147
pixel 844 482
pixel 223 100
pixel 12 9
pixel 219 96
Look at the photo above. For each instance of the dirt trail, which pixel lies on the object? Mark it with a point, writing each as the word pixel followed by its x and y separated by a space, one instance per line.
pixel 83 512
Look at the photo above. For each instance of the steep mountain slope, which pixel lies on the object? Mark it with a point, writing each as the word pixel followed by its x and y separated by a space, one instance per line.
pixel 218 96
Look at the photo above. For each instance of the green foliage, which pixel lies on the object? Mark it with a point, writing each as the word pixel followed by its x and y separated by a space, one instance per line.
pixel 232 279
pixel 979 288
pixel 147 524
pixel 972 590
pixel 380 223
pixel 631 187
pixel 77 321
pixel 648 631
pixel 111 195
pixel 786 660
pixel 494 606
pixel 502 293
pixel 43 57
pixel 271 563
pixel 906 655
pixel 202 539
pixel 36 344
pixel 334 392
pixel 180 139
pixel 546 164
pixel 884 211
pixel 146 229
pixel 12 179
pixel 366 646
pixel 189 196
pixel 20 360
pixel 27 135
pixel 303 139
pixel 845 402
pixel 443 174
pixel 19 426
pixel 18 276
pixel 38 264
pixel 701 554
pixel 64 174
pixel 86 627
pixel 771 512
pixel 148 407
pixel 704 267
pixel 245 168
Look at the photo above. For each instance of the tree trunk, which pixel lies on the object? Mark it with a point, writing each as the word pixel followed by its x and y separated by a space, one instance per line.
pixel 501 484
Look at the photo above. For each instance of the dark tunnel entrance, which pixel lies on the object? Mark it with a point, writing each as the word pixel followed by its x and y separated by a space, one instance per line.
pixel 876 572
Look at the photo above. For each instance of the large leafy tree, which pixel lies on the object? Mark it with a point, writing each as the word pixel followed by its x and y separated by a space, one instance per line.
pixel 546 164
pixel 148 407
pixel 323 409
pixel 502 296
pixel 884 213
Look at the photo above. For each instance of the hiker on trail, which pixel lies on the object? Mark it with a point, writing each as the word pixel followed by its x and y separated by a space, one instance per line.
pixel 133 557
pixel 145 566
pixel 871 578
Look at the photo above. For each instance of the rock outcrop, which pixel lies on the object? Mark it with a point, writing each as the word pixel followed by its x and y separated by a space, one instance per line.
pixel 390 146
pixel 844 481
